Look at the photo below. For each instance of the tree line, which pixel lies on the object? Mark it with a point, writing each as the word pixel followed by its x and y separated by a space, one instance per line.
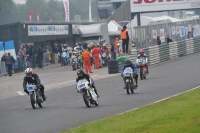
pixel 11 12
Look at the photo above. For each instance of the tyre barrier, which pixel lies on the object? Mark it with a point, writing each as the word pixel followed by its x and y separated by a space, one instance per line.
pixel 113 67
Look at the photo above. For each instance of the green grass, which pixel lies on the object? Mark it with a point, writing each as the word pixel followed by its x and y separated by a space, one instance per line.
pixel 179 114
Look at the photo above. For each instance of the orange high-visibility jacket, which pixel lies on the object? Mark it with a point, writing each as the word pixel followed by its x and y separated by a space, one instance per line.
pixel 123 34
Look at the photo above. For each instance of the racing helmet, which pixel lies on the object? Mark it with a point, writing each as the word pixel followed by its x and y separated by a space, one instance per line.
pixel 80 73
pixel 127 62
pixel 29 72
pixel 141 52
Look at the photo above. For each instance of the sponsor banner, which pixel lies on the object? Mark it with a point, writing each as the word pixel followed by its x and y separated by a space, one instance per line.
pixel 39 30
pixel 66 7
pixel 155 34
pixel 162 5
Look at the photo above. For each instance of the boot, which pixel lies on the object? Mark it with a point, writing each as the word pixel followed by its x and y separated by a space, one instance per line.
pixel 96 92
pixel 44 97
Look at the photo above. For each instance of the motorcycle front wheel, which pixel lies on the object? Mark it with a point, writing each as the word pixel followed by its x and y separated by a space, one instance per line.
pixel 32 100
pixel 86 100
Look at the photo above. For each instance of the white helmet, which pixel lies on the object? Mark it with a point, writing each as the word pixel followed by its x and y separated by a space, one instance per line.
pixel 65 45
pixel 29 72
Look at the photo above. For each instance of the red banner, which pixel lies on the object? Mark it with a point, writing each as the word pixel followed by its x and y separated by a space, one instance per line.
pixel 37 15
pixel 66 6
pixel 29 16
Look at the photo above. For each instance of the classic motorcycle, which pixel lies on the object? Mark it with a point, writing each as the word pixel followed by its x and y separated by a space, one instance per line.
pixel 35 96
pixel 74 63
pixel 104 59
pixel 129 80
pixel 141 64
pixel 88 93
pixel 65 58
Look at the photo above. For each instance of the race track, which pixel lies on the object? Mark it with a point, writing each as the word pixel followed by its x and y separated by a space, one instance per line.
pixel 65 108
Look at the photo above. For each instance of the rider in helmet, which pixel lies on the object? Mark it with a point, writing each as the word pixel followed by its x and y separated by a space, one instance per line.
pixel 128 63
pixel 64 49
pixel 33 78
pixel 82 75
pixel 143 55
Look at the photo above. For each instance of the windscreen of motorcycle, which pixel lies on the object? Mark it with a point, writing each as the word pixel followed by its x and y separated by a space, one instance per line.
pixel 128 71
pixel 82 84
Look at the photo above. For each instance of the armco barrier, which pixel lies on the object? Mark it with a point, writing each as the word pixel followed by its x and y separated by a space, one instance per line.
pixel 166 52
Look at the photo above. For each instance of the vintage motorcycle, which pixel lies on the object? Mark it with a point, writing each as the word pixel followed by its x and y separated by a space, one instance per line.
pixel 141 64
pixel 88 93
pixel 65 58
pixel 35 96
pixel 129 80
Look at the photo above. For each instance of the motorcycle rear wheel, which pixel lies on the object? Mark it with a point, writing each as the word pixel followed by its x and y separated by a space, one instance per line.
pixel 97 103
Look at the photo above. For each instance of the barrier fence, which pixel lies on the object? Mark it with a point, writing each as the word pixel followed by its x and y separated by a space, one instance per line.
pixel 169 51
pixel 146 36
pixel 3 71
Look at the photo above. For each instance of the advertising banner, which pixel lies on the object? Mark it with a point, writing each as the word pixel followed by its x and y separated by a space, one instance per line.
pixel 39 30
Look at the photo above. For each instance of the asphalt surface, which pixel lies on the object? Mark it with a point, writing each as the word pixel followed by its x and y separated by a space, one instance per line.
pixel 65 108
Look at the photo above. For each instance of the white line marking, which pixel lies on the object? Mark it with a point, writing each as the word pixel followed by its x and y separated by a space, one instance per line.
pixel 140 106
pixel 20 93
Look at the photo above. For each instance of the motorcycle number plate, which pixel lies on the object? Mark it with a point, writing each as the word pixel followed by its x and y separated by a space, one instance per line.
pixel 140 60
pixel 127 74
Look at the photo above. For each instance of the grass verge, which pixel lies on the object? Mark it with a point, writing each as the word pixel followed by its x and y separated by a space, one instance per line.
pixel 180 114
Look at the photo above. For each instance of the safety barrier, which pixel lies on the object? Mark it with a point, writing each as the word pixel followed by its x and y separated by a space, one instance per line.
pixel 46 59
pixel 169 51
pixel 3 71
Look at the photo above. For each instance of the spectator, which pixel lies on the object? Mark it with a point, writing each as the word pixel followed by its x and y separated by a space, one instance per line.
pixel 55 53
pixel 3 58
pixel 84 45
pixel 9 63
pixel 116 41
pixel 158 40
pixel 60 51
pixel 168 39
pixel 40 57
pixel 24 56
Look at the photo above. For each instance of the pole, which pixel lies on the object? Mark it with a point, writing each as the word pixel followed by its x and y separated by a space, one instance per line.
pixel 90 11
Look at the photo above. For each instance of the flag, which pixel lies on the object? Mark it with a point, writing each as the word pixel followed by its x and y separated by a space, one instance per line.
pixel 90 11
pixel 50 20
pixel 66 7
pixel 37 15
pixel 29 16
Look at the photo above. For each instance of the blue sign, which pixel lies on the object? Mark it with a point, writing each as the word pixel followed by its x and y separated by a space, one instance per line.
pixel 67 28
pixel 33 29
pixel 169 31
pixel 182 31
pixel 52 28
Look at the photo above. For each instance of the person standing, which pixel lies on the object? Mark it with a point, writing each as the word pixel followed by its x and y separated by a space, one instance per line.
pixel 86 61
pixel 84 45
pixel 168 39
pixel 40 57
pixel 9 63
pixel 96 51
pixel 3 58
pixel 55 53
pixel 158 40
pixel 125 39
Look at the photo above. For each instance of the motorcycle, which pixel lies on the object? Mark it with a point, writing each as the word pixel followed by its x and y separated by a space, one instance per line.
pixel 65 58
pixel 74 63
pixel 130 82
pixel 35 96
pixel 104 59
pixel 141 63
pixel 88 93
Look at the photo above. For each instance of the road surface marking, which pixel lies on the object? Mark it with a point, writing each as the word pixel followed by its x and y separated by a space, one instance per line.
pixel 20 93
